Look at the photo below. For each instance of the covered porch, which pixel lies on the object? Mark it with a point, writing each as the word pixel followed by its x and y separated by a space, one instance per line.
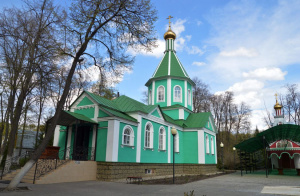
pixel 76 137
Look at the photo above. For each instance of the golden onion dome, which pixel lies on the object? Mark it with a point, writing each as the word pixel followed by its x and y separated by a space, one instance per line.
pixel 277 106
pixel 169 34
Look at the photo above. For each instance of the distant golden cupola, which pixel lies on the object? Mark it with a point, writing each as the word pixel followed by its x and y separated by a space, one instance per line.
pixel 169 34
pixel 277 106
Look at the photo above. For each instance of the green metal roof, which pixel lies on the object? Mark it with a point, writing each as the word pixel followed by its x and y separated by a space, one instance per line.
pixel 280 132
pixel 197 120
pixel 170 66
pixel 66 118
pixel 120 114
pixel 127 104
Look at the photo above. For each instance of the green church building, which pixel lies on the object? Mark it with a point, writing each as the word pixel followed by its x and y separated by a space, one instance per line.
pixel 126 133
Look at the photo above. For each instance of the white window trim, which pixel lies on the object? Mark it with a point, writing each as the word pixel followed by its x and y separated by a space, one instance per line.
pixel 158 94
pixel 174 98
pixel 207 144
pixel 131 141
pixel 163 138
pixel 151 136
pixel 189 97
pixel 212 145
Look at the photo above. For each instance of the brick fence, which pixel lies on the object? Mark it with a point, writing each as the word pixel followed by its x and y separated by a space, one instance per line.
pixel 110 171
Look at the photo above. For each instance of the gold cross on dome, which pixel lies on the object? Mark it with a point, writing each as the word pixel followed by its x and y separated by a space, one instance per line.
pixel 170 21
pixel 276 96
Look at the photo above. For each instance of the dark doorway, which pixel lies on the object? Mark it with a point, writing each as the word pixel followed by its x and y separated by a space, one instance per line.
pixel 287 162
pixel 81 145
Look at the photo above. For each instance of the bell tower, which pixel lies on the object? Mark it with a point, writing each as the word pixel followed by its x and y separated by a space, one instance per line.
pixel 170 84
pixel 279 117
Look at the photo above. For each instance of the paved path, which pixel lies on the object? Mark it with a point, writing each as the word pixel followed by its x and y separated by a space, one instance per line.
pixel 231 184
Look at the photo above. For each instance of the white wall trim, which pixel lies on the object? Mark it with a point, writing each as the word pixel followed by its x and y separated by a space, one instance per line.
pixel 95 129
pixel 216 155
pixel 69 142
pixel 185 93
pixel 56 135
pixel 169 64
pixel 169 144
pixel 201 153
pixel 209 131
pixel 181 113
pixel 169 92
pixel 112 144
pixel 116 118
pixel 138 143
pixel 158 101
pixel 96 113
pixel 153 93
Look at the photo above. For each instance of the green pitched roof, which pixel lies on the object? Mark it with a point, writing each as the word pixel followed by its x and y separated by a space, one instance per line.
pixel 80 117
pixel 197 120
pixel 120 114
pixel 170 66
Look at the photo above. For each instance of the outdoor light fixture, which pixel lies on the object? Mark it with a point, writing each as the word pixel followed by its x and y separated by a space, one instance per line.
pixel 234 149
pixel 174 132
pixel 222 146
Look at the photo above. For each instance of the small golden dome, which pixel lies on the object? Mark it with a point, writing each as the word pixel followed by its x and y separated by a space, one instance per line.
pixel 169 34
pixel 277 106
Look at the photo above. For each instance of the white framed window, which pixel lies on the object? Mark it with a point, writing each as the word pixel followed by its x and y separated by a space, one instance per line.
pixel 207 145
pixel 177 94
pixel 128 136
pixel 189 97
pixel 148 135
pixel 162 139
pixel 161 94
pixel 176 142
pixel 150 97
pixel 212 145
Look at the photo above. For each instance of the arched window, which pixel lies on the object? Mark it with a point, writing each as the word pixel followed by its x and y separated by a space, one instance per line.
pixel 162 139
pixel 207 145
pixel 176 142
pixel 148 136
pixel 212 145
pixel 189 97
pixel 128 136
pixel 160 94
pixel 150 97
pixel 177 94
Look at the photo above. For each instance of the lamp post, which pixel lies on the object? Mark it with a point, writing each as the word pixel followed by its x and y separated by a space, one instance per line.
pixel 222 146
pixel 234 149
pixel 174 132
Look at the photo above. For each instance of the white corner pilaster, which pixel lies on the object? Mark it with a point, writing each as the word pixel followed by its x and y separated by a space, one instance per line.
pixel 216 155
pixel 69 142
pixel 181 113
pixel 169 144
pixel 153 93
pixel 185 94
pixel 56 135
pixel 201 153
pixel 112 144
pixel 138 143
pixel 169 92
pixel 94 136
pixel 96 114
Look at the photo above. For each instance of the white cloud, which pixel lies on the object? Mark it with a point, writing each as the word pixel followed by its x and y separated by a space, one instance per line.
pixel 194 50
pixel 188 37
pixel 156 52
pixel 198 63
pixel 178 27
pixel 266 74
pixel 240 52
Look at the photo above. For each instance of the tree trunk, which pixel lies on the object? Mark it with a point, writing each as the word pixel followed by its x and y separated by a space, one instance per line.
pixel 21 142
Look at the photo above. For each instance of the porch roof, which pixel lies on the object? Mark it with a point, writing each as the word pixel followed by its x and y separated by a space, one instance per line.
pixel 67 118
pixel 280 132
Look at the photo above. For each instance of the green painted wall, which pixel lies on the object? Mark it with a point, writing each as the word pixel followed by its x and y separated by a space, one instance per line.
pixel 175 82
pixel 155 156
pixel 190 147
pixel 156 114
pixel 102 114
pixel 172 113
pixel 85 101
pixel 179 157
pixel 103 124
pixel 88 112
pixel 157 84
pixel 209 157
pixel 62 143
pixel 101 144
pixel 189 86
pixel 126 153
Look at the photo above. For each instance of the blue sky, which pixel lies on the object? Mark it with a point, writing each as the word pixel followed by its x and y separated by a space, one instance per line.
pixel 249 47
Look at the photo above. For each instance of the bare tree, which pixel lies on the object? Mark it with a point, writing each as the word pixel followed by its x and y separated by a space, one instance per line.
pixel 201 96
pixel 111 26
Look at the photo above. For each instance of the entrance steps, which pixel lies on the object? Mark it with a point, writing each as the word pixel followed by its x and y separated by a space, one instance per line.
pixel 28 178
